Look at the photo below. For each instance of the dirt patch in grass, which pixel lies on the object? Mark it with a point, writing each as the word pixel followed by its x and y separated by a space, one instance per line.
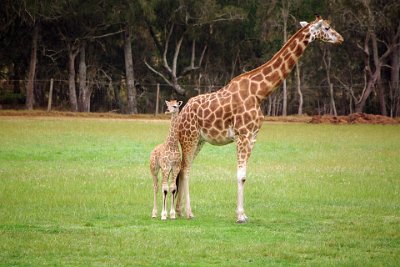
pixel 355 118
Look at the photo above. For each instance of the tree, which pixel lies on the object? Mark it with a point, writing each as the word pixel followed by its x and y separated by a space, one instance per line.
pixel 187 23
pixel 132 103
pixel 127 14
pixel 99 47
pixel 326 59
pixel 72 53
pixel 300 93
pixel 371 18
pixel 285 16
pixel 33 14
pixel 85 89
pixel 32 68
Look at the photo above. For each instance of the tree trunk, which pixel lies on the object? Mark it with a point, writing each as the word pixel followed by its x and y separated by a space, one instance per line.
pixel 378 80
pixel 71 79
pixel 372 77
pixel 84 89
pixel 118 101
pixel 269 106
pixel 273 111
pixel 394 82
pixel 360 105
pixel 382 100
pixel 132 104
pixel 32 69
pixel 327 62
pixel 16 77
pixel 333 105
pixel 350 105
pixel 285 15
pixel 298 81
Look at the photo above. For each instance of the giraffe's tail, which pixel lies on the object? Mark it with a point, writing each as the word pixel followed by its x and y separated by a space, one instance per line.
pixel 177 182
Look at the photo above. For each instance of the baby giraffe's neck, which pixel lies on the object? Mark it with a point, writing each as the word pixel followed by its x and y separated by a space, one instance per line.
pixel 172 138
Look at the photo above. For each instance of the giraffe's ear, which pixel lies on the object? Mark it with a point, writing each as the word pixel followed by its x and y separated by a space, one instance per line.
pixel 303 23
pixel 166 102
pixel 180 103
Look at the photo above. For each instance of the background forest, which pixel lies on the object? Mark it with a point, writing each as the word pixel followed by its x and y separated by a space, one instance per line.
pixel 109 55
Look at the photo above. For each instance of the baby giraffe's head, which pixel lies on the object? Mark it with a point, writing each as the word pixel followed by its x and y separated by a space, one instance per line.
pixel 173 106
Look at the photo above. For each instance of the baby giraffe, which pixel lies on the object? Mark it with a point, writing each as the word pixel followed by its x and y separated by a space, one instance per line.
pixel 167 156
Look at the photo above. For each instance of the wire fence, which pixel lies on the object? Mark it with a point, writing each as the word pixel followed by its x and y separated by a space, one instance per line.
pixel 113 97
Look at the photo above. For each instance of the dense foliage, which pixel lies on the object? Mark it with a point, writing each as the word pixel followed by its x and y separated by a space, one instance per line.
pixel 192 47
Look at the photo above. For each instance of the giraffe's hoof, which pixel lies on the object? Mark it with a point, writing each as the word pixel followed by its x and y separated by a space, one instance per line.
pixel 190 216
pixel 178 212
pixel 242 219
pixel 154 214
pixel 172 216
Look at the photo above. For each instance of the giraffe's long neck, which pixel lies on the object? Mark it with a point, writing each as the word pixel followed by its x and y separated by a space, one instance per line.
pixel 172 138
pixel 266 78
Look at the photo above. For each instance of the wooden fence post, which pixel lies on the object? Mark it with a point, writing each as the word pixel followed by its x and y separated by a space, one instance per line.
pixel 157 98
pixel 50 95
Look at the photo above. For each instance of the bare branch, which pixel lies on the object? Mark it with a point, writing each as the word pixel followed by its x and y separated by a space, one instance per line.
pixel 191 66
pixel 202 55
pixel 348 87
pixel 166 50
pixel 176 54
pixel 103 36
pixel 158 73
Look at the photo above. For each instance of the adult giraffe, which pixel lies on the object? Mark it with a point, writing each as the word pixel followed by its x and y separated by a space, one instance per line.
pixel 233 113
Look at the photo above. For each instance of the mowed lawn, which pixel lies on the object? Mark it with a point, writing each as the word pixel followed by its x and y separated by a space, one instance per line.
pixel 78 192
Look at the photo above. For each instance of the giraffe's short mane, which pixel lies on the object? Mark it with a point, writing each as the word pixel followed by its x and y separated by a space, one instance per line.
pixel 249 73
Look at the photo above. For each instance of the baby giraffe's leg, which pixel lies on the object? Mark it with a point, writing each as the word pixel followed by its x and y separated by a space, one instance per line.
pixel 155 187
pixel 164 192
pixel 175 173
pixel 154 168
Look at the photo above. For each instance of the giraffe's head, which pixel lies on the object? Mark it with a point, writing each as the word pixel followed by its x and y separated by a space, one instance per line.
pixel 321 29
pixel 173 106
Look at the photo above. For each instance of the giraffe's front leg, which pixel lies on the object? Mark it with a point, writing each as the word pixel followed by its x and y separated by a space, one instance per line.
pixel 188 154
pixel 241 176
pixel 244 147
pixel 188 209
pixel 184 191
pixel 164 192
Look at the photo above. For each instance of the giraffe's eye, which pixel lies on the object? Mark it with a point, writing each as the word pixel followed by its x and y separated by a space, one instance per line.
pixel 327 28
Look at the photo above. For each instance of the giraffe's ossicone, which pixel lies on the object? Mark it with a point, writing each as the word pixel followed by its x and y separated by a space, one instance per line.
pixel 233 114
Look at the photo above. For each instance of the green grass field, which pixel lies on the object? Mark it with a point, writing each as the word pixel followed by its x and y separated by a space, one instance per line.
pixel 78 192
